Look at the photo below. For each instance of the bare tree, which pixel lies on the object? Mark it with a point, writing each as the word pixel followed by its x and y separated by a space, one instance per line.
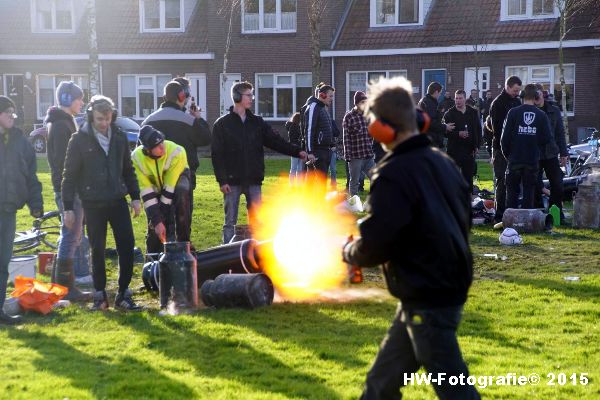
pixel 568 10
pixel 316 9
pixel 229 10
pixel 94 65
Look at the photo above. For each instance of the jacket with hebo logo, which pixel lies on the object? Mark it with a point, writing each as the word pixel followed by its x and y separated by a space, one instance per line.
pixel 526 129
pixel 158 177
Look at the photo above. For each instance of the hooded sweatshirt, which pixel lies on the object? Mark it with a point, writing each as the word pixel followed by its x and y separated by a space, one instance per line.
pixel 60 127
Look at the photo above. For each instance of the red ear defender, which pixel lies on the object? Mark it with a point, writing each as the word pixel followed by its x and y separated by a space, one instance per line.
pixel 382 132
pixel 323 95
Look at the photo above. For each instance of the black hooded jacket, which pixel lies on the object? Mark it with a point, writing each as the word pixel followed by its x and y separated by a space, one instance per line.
pixel 498 111
pixel 60 127
pixel 437 130
pixel 20 184
pixel 184 129
pixel 238 155
pixel 98 178
pixel 417 226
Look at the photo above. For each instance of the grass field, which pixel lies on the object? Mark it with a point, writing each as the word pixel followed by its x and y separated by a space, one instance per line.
pixel 521 317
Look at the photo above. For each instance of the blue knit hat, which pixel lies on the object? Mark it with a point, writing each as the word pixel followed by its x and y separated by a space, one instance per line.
pixel 66 92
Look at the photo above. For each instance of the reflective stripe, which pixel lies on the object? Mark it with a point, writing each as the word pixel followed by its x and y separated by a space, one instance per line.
pixel 147 191
pixel 170 158
pixel 170 189
pixel 150 203
pixel 140 163
pixel 165 200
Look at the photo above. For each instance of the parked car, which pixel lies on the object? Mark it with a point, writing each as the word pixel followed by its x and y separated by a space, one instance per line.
pixel 39 136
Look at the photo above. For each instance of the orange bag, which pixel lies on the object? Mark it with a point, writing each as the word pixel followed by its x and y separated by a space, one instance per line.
pixel 37 296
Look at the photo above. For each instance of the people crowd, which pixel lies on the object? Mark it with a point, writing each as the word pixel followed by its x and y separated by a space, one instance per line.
pixel 96 179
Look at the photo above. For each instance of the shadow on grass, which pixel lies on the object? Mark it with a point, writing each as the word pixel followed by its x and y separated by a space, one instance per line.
pixel 224 357
pixel 577 290
pixel 475 324
pixel 101 377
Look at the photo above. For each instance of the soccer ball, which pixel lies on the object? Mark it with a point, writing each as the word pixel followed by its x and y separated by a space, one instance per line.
pixel 510 237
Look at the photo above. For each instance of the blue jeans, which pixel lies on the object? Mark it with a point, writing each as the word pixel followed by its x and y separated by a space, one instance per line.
pixel 69 245
pixel 232 204
pixel 295 169
pixel 8 224
pixel 357 168
pixel 427 338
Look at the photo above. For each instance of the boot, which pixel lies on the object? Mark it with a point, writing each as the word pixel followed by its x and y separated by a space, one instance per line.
pixel 66 277
pixel 124 301
pixel 6 319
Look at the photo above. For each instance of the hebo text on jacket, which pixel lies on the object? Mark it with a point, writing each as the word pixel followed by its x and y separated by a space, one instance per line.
pixel 157 177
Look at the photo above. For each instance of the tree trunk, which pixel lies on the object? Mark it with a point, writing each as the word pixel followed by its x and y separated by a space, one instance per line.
pixel 94 64
pixel 561 67
pixel 226 54
pixel 314 22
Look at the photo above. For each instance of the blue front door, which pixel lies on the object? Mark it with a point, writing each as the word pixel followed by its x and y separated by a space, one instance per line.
pixel 434 75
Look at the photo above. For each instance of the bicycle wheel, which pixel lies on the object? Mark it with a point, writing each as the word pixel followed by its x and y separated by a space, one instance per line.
pixel 49 226
pixel 25 241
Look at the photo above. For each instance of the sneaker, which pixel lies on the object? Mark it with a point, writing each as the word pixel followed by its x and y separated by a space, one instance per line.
pixel 100 301
pixel 124 301
pixel 84 280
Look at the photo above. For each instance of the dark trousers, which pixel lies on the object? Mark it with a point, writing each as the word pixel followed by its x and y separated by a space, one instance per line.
pixel 525 177
pixel 192 187
pixel 467 166
pixel 419 338
pixel 555 176
pixel 177 218
pixel 323 156
pixel 500 183
pixel 97 219
pixel 8 223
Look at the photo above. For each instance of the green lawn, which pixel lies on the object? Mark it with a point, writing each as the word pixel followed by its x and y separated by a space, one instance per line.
pixel 521 317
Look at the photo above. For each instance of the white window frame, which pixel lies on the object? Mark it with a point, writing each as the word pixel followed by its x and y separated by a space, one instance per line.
pixel 373 15
pixel 138 87
pixel 551 77
pixel 387 75
pixel 34 25
pixel 261 28
pixel 292 85
pixel 528 12
pixel 77 78
pixel 162 18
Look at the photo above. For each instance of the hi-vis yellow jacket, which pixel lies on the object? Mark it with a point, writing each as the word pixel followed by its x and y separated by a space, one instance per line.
pixel 157 177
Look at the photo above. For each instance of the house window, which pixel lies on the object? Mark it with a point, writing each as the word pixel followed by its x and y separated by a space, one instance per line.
pixel 268 16
pixel 278 96
pixel 140 95
pixel 528 9
pixel 161 15
pixel 549 77
pixel 358 81
pixel 46 89
pixel 396 12
pixel 52 16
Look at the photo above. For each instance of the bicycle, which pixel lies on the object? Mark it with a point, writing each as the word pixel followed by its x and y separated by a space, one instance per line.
pixel 45 230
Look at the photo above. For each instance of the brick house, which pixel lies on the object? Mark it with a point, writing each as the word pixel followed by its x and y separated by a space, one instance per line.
pixel 144 43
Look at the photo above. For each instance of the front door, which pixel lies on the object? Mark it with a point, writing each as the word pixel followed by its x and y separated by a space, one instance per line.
pixel 226 82
pixel 434 75
pixel 13 87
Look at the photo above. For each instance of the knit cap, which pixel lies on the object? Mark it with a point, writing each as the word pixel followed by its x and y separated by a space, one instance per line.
pixel 67 92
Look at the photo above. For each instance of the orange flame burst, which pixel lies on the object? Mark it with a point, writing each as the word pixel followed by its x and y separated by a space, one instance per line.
pixel 307 233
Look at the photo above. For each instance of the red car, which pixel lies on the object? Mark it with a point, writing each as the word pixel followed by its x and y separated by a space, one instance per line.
pixel 39 136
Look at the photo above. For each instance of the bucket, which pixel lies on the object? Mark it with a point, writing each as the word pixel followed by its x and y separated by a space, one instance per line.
pixel 44 260
pixel 22 265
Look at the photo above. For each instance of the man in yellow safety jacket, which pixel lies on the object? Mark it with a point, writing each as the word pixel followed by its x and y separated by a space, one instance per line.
pixel 164 178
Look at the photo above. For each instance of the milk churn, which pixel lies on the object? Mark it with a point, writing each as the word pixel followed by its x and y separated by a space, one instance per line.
pixel 178 276
pixel 525 220
pixel 586 203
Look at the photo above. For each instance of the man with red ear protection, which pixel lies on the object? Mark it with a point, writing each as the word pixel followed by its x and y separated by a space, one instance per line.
pixel 417 227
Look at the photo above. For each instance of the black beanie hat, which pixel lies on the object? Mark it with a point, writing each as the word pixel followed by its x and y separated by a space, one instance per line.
pixel 150 137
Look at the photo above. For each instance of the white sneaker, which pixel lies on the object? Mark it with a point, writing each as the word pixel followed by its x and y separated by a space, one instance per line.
pixel 84 280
